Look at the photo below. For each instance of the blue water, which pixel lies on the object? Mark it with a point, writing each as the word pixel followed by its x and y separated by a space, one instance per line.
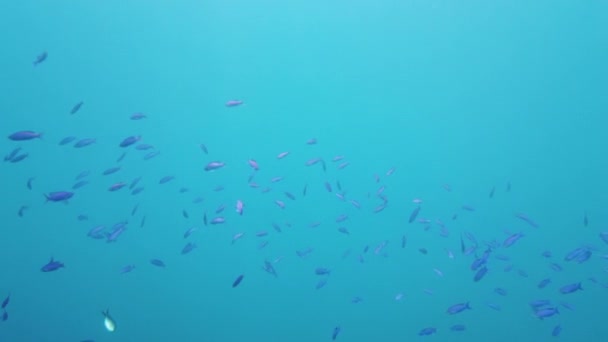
pixel 473 95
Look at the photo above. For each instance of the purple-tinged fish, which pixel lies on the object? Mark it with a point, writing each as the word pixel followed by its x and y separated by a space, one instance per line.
pixel 52 265
pixel 543 283
pixel 570 288
pixel 239 207
pixel 311 141
pixel 282 155
pixel 214 165
pixel 25 135
pixel 96 232
pixel 137 190
pixel 526 219
pixel 116 232
pixel 19 158
pixel 512 239
pixel 12 155
pixel 188 248
pixel 111 170
pixel 480 274
pixel 253 164
pixel 233 103
pixel 427 331
pixel 138 116
pixel 58 196
pixel 84 142
pixel 546 312
pixel 189 232
pixel 151 155
pixel 218 220
pixel 117 186
pixel 166 179
pixel 128 141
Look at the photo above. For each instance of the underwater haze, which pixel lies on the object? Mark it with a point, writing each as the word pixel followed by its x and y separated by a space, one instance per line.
pixel 270 171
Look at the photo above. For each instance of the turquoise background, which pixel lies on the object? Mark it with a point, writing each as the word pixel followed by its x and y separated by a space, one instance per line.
pixel 473 94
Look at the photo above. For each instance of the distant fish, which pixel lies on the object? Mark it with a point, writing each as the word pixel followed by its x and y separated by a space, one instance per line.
pixel 138 116
pixel 108 321
pixel 40 58
pixel 237 281
pixel 130 140
pixel 76 108
pixel 58 196
pixel 335 333
pixel 414 214
pixel 158 263
pixel 6 301
pixel 25 135
pixel 51 266
pixel 67 140
pixel 233 103
pixel 214 165
pixel 84 142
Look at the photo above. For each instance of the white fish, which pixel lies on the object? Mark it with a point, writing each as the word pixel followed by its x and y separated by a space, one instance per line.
pixel 108 322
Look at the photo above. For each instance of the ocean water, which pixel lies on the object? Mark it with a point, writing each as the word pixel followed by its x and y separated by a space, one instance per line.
pixel 437 102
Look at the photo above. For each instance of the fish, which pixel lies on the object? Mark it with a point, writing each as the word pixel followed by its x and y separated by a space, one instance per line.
pixel 58 196
pixel 335 333
pixel 166 179
pixel 40 58
pixel 84 142
pixel 138 116
pixel 427 331
pixel 130 140
pixel 52 265
pixel 458 308
pixel 127 269
pixel 189 247
pixel 214 165
pixel 526 219
pixel 414 214
pixel 233 103
pixel 157 262
pixel 322 271
pixel 111 170
pixel 239 207
pixel 76 108
pixel 25 135
pixel 6 301
pixel 570 288
pixel 543 313
pixel 108 321
pixel 237 281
